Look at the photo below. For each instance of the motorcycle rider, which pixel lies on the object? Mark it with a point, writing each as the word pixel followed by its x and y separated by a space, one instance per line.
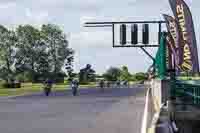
pixel 102 84
pixel 47 86
pixel 74 85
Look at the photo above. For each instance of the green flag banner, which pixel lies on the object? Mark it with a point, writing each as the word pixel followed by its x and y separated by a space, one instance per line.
pixel 160 60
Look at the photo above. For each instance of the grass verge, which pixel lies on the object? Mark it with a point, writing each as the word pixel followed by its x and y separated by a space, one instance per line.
pixel 29 88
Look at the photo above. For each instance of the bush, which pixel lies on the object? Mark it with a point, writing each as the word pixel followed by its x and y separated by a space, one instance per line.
pixel 24 77
pixel 1 84
pixel 57 78
pixel 20 77
pixel 112 74
pixel 12 85
pixel 84 83
pixel 140 76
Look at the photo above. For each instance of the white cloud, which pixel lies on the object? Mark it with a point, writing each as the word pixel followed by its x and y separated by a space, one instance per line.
pixel 28 12
pixel 35 18
pixel 92 45
pixel 91 39
pixel 7 5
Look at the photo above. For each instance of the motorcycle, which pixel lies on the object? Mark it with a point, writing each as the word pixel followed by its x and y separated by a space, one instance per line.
pixel 47 89
pixel 74 89
pixel 102 85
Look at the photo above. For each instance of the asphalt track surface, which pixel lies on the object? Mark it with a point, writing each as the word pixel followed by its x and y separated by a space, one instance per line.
pixel 117 110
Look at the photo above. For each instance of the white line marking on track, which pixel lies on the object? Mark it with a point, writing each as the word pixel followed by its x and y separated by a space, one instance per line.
pixel 145 116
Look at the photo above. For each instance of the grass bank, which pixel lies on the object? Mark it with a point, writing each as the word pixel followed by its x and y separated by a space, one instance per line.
pixel 29 88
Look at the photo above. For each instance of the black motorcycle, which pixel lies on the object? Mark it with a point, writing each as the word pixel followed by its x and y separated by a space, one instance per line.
pixel 47 89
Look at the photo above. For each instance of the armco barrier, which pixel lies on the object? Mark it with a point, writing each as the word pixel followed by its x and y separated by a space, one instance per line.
pixel 150 115
pixel 147 113
pixel 157 121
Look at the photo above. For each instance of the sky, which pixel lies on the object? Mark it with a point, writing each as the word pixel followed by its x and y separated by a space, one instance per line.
pixel 94 45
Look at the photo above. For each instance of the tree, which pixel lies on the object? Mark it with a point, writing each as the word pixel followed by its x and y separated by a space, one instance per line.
pixel 42 51
pixel 57 45
pixel 87 74
pixel 42 66
pixel 7 53
pixel 125 75
pixel 69 65
pixel 112 74
pixel 34 52
pixel 29 41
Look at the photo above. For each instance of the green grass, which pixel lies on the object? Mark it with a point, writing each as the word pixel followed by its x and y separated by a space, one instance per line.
pixel 29 88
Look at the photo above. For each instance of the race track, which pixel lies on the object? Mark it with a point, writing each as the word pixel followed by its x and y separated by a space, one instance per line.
pixel 117 110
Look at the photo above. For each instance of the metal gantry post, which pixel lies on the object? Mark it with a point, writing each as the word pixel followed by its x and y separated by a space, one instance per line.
pixel 113 34
pixel 159 31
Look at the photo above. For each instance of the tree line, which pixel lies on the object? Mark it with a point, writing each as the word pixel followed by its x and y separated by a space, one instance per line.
pixel 30 53
pixel 88 74
pixel 123 74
